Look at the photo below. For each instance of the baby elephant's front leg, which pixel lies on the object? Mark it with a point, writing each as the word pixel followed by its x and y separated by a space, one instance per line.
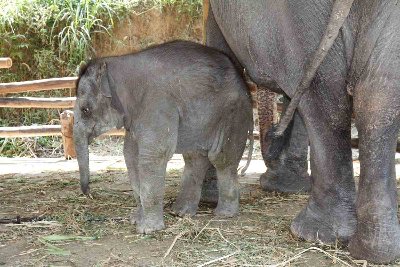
pixel 157 133
pixel 152 176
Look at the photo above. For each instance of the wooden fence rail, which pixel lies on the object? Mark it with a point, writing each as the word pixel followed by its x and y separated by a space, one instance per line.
pixel 5 62
pixel 43 130
pixel 30 131
pixel 38 85
pixel 37 102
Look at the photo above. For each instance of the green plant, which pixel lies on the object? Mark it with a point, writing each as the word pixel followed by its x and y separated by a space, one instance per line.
pixel 75 23
pixel 191 7
pixel 59 31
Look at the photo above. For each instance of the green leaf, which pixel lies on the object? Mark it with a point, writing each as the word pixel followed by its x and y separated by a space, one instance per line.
pixel 53 250
pixel 59 238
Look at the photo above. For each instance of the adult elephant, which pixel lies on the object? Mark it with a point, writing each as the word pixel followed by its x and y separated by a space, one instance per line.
pixel 286 172
pixel 273 40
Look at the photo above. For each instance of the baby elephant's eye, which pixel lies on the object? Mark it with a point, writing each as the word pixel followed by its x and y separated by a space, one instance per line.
pixel 85 111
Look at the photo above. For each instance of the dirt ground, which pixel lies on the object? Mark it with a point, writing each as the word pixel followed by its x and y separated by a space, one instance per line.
pixel 64 228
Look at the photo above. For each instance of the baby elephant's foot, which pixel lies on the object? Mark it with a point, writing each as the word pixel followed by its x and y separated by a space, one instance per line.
pixel 149 226
pixel 182 208
pixel 227 209
pixel 136 216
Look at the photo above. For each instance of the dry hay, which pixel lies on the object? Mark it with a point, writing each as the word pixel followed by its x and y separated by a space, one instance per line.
pixel 73 230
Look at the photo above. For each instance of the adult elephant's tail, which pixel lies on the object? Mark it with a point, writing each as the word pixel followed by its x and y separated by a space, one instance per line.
pixel 340 10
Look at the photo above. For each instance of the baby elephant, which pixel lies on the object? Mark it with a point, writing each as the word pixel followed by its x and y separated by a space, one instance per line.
pixel 178 97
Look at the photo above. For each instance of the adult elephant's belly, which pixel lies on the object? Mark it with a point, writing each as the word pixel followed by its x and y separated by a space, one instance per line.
pixel 264 37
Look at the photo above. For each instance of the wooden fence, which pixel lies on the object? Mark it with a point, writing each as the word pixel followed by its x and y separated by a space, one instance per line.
pixel 66 117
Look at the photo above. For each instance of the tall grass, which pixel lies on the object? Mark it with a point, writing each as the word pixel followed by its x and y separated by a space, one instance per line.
pixel 77 21
pixel 60 30
pixel 191 7
pixel 48 38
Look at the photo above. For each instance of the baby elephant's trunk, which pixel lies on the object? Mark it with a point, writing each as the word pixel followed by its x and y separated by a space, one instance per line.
pixel 82 151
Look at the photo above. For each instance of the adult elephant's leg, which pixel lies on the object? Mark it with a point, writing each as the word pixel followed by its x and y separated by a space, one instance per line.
pixel 330 212
pixel 215 39
pixel 377 237
pixel 377 112
pixel 287 173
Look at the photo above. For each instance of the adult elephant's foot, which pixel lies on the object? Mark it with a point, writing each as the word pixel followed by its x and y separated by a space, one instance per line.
pixel 285 181
pixel 326 225
pixel 376 243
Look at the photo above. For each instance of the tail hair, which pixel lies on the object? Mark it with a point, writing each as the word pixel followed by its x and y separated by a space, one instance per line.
pixel 251 146
pixel 276 142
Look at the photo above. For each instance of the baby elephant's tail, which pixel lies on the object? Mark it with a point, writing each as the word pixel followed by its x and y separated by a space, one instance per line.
pixel 251 144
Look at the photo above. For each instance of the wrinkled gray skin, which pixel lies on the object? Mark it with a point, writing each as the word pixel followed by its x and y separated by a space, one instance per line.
pixel 273 40
pixel 288 173
pixel 177 97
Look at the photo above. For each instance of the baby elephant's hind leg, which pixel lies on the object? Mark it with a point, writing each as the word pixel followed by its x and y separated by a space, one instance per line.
pixel 228 185
pixel 196 166
pixel 226 162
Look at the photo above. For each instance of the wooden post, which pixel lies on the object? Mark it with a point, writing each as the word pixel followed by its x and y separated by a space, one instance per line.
pixel 67 124
pixel 5 62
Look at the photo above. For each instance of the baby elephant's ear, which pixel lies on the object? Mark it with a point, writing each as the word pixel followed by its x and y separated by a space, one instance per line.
pixel 107 88
pixel 104 81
